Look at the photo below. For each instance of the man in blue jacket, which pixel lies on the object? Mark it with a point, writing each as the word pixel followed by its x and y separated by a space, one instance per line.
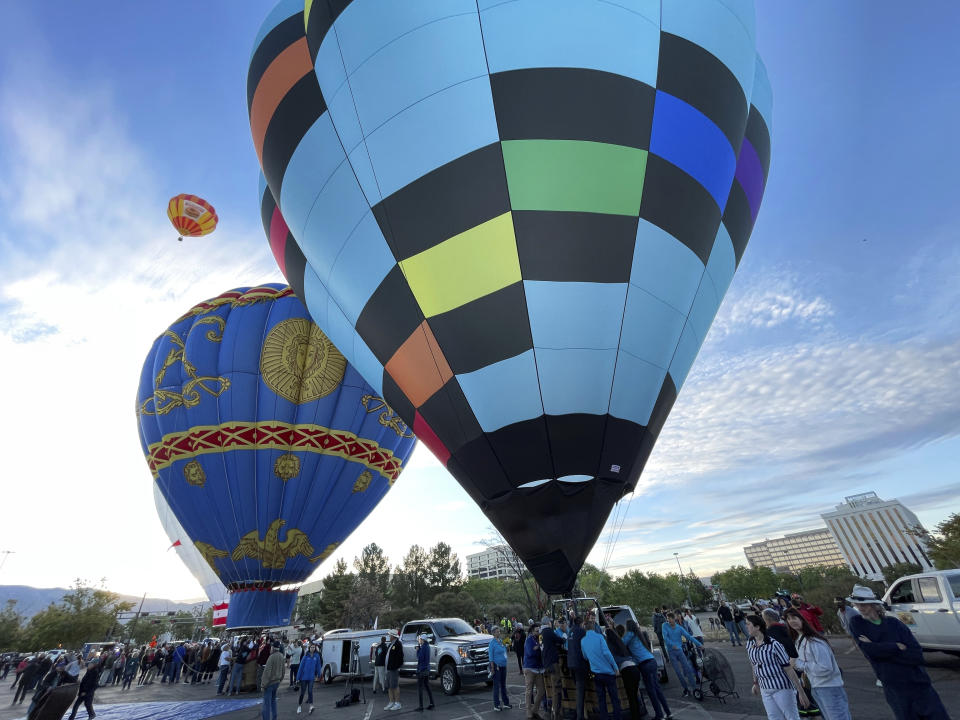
pixel 497 652
pixel 604 667
pixel 673 636
pixel 896 658
pixel 423 672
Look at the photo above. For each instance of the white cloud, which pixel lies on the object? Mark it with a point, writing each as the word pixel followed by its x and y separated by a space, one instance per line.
pixel 767 301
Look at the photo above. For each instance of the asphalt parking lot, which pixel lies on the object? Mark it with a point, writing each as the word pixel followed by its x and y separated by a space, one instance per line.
pixel 474 703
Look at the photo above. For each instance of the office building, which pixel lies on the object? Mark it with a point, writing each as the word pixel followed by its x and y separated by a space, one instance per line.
pixel 796 551
pixel 498 561
pixel 874 534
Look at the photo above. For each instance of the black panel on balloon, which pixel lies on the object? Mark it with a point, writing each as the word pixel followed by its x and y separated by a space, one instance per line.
pixel 661 408
pixel 323 13
pixel 390 316
pixel 570 518
pixel 573 104
pixel 575 441
pixel 295 114
pixel 523 449
pixel 476 463
pixel 449 415
pixel 675 202
pixel 737 219
pixel 691 73
pixel 267 206
pixel 759 136
pixel 276 41
pixel 397 399
pixel 294 265
pixel 622 449
pixel 445 202
pixel 575 246
pixel 485 331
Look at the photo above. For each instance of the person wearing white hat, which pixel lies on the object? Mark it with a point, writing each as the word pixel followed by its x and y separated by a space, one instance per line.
pixel 896 657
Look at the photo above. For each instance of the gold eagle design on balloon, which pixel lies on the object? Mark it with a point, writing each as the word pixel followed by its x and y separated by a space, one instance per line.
pixel 271 552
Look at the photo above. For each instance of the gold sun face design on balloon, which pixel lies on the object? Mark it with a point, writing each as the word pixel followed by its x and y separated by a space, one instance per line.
pixel 298 362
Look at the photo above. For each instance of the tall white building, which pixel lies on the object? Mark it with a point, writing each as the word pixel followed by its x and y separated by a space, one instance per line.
pixel 793 552
pixel 498 561
pixel 874 534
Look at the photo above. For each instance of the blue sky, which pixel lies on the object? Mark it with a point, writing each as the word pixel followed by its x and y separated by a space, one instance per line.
pixel 832 368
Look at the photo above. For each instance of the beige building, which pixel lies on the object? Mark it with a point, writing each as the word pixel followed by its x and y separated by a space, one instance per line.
pixel 498 561
pixel 874 534
pixel 796 551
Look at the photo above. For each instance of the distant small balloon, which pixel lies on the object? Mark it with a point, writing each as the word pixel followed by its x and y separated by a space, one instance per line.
pixel 192 216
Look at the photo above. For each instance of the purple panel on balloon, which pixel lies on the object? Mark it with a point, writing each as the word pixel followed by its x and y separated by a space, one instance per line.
pixel 750 175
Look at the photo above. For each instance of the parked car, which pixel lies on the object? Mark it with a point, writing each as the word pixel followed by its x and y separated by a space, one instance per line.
pixel 929 604
pixel 458 654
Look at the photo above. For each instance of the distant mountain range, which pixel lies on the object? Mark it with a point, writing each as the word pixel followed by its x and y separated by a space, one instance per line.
pixel 30 600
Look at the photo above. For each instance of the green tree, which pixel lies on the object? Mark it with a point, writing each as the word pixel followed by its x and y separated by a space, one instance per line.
pixel 85 614
pixel 594 582
pixel 373 567
pixel 140 630
pixel 408 588
pixel 699 593
pixel 183 624
pixel 335 596
pixel 443 568
pixel 453 604
pixel 365 604
pixel 944 543
pixel 892 572
pixel 743 583
pixel 10 624
pixel 644 591
pixel 308 608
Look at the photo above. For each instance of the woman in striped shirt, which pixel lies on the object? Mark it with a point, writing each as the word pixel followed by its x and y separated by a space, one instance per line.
pixel 774 680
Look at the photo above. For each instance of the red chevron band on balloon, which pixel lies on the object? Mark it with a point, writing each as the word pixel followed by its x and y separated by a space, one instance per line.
pixel 225 437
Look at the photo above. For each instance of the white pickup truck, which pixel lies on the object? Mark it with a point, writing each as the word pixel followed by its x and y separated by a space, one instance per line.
pixel 929 604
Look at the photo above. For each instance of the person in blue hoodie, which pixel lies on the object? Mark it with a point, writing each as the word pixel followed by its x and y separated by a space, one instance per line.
pixel 307 674
pixel 497 652
pixel 896 658
pixel 575 661
pixel 673 636
pixel 423 671
pixel 648 669
pixel 533 673
pixel 550 644
pixel 604 667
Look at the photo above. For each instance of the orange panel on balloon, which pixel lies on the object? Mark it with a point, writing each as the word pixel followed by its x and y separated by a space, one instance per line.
pixel 418 366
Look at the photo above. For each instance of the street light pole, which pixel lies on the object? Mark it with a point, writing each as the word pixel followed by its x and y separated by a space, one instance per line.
pixel 6 554
pixel 682 583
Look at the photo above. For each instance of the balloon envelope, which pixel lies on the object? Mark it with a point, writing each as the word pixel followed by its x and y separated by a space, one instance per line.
pixel 192 216
pixel 519 220
pixel 269 448
pixel 187 551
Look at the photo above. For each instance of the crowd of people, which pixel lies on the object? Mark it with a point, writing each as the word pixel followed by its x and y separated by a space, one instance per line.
pixel 794 669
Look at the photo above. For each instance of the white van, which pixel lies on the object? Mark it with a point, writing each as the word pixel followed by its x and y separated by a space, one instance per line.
pixel 929 604
pixel 338 657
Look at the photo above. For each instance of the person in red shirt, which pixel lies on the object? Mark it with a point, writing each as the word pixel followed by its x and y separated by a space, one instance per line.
pixel 810 613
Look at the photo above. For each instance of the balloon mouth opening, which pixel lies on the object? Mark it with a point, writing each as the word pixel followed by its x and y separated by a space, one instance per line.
pixel 258 586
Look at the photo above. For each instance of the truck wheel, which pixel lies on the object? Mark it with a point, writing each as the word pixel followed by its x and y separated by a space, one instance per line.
pixel 327 676
pixel 449 679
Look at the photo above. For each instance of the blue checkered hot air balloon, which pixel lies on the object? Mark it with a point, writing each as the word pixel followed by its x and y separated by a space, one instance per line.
pixel 266 443
pixel 518 219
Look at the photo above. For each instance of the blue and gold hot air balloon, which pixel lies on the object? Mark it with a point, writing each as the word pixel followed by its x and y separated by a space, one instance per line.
pixel 519 219
pixel 266 443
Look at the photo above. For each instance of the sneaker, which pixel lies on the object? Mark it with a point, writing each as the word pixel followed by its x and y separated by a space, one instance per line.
pixel 497 708
pixel 397 706
pixel 388 706
pixel 299 709
pixel 879 684
pixel 311 710
pixel 686 693
pixel 508 706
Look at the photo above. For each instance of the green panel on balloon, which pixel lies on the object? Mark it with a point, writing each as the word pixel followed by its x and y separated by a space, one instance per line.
pixel 575 176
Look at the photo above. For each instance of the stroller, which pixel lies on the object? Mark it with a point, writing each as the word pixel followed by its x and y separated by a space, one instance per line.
pixel 715 672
